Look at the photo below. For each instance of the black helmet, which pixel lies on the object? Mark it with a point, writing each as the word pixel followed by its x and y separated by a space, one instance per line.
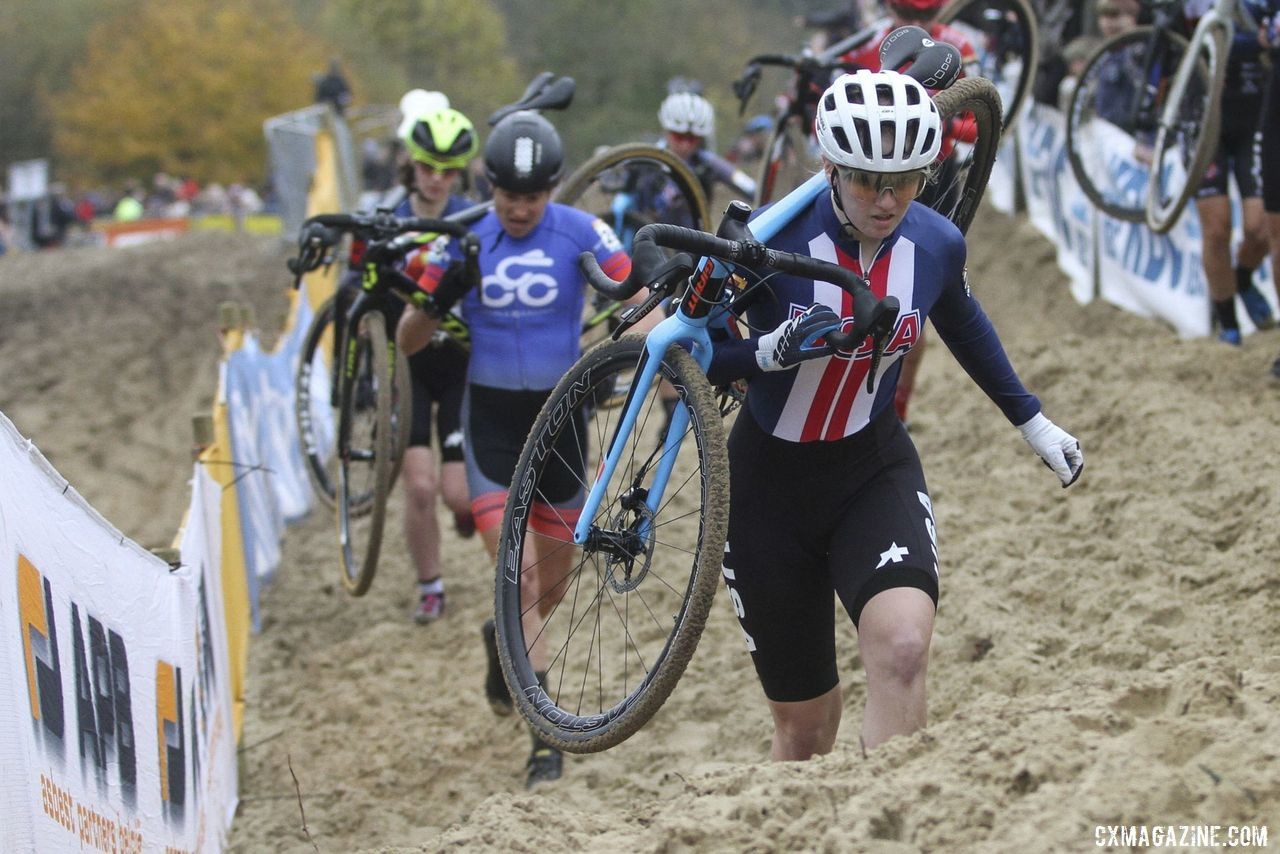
pixel 523 153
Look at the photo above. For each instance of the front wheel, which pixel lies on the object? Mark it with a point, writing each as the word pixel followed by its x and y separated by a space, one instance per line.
pixel 593 637
pixel 316 409
pixel 1189 131
pixel 365 443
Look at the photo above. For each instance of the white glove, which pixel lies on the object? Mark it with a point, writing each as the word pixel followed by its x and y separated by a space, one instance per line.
pixel 792 342
pixel 1057 448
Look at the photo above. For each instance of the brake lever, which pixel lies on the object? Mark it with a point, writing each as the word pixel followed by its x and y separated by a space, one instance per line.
pixel 882 327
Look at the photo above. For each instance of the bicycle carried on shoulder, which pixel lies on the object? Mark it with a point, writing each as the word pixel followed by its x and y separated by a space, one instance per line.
pixel 1145 116
pixel 1004 33
pixel 614 634
pixel 370 379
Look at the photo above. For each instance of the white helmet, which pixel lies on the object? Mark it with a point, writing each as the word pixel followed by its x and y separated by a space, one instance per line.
pixel 863 113
pixel 685 112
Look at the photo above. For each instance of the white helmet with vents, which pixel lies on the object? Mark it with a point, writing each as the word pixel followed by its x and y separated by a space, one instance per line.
pixel 878 121
pixel 686 112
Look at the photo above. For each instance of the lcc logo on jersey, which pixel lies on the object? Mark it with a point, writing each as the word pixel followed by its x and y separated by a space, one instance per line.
pixel 518 280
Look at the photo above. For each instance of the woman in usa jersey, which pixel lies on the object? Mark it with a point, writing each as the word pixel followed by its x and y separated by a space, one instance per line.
pixel 827 491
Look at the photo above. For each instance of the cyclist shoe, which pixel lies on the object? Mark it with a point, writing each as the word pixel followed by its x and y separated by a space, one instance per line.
pixel 1258 307
pixel 430 608
pixel 545 764
pixel 495 687
pixel 465 525
pixel 1230 336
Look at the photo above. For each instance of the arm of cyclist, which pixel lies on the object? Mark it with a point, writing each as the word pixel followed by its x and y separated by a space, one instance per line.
pixel 443 275
pixel 726 173
pixel 969 334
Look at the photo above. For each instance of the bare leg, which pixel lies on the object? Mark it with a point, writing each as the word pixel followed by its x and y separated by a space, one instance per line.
pixel 421 527
pixel 1215 246
pixel 893 637
pixel 807 728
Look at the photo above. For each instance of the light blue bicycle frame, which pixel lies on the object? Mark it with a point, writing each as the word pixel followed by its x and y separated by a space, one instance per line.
pixel 692 333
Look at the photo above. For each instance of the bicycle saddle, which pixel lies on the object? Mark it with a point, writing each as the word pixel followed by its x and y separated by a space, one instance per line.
pixel 934 64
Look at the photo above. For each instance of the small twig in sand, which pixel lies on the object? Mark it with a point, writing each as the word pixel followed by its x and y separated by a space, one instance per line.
pixel 298 789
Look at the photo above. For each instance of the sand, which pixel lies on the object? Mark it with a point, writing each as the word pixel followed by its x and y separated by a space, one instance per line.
pixel 1104 655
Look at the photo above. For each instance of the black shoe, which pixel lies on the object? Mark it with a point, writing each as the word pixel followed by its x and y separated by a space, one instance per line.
pixel 495 687
pixel 545 764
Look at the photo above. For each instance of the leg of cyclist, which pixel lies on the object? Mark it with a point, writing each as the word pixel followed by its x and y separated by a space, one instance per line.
pixel 804 729
pixel 893 640
pixel 422 529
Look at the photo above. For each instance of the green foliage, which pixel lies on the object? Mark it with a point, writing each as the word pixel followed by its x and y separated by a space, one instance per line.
pixel 622 56
pixel 39 43
pixel 182 86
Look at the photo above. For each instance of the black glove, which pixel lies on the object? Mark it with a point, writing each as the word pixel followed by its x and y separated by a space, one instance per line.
pixel 452 286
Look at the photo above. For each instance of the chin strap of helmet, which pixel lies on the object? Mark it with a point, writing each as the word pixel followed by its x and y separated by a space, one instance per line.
pixel 846 227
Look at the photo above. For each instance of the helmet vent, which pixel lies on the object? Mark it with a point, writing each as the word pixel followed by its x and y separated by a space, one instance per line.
pixel 853 93
pixel 842 139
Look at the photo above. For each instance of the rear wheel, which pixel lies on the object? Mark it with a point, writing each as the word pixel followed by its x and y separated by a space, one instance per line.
pixel 365 442
pixel 972 104
pixel 1005 33
pixel 609 625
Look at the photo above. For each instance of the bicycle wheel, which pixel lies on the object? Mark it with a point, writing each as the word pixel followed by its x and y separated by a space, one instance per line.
pixel 316 410
pixel 1005 34
pixel 619 618
pixel 789 160
pixel 1113 114
pixel 974 103
pixel 1189 131
pixel 635 184
pixel 365 441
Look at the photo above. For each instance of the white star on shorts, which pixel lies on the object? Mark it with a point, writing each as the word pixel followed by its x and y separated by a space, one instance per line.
pixel 895 553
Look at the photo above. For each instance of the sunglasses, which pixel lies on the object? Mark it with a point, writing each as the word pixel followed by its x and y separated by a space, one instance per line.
pixel 898 183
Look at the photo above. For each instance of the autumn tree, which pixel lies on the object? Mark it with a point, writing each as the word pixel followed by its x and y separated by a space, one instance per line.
pixel 183 86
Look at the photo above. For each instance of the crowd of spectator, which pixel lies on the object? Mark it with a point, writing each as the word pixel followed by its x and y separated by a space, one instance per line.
pixel 60 216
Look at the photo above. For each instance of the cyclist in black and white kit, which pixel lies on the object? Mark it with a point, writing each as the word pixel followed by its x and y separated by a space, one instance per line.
pixel 827 494
pixel 1238 156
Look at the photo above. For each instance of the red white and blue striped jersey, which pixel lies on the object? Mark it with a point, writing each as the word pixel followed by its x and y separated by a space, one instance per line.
pixel 526 316
pixel 922 264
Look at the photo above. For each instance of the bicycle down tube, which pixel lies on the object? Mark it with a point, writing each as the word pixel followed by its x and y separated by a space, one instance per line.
pixel 691 331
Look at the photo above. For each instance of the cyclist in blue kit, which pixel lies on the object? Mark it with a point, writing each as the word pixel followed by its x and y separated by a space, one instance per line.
pixel 827 493
pixel 525 317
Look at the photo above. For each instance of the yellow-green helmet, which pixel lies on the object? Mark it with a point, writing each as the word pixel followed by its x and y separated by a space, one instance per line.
pixel 442 139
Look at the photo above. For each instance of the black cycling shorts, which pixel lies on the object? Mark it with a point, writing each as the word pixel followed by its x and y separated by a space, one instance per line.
pixel 1271 143
pixel 439 377
pixel 1239 152
pixel 497 422
pixel 812 520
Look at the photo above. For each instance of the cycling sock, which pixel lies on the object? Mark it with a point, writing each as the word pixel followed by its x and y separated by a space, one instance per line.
pixel 1244 279
pixel 435 586
pixel 1225 311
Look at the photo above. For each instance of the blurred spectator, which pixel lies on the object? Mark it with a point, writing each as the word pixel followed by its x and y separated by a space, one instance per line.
pixel 51 216
pixel 129 208
pixel 1117 16
pixel 332 88
pixel 1076 54
pixel 6 230
pixel 244 202
pixel 750 144
pixel 213 200
pixel 831 25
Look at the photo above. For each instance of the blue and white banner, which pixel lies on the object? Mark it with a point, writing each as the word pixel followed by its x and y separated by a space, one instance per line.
pixel 1055 203
pixel 271 481
pixel 114 705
